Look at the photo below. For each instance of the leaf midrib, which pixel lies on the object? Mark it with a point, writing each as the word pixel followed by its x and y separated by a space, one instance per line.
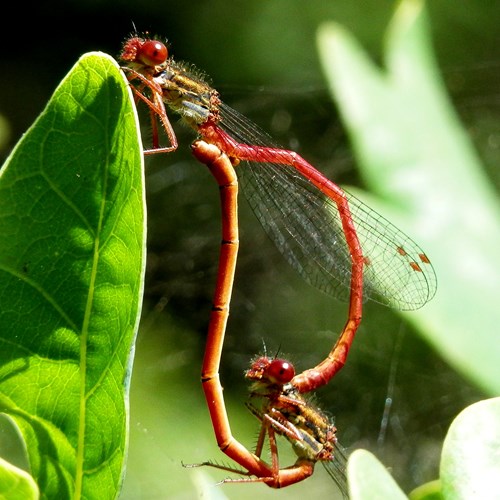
pixel 83 345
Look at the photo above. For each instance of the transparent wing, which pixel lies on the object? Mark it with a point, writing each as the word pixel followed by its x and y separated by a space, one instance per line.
pixel 305 225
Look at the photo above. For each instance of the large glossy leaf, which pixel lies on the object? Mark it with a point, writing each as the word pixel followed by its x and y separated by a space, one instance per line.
pixel 417 158
pixel 71 277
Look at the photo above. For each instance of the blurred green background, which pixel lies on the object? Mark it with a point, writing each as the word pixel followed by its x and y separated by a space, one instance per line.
pixel 262 57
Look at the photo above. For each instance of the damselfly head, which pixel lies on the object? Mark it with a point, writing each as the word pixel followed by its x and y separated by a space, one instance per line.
pixel 144 51
pixel 268 370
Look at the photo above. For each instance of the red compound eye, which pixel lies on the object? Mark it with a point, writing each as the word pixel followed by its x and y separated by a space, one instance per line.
pixel 280 371
pixel 153 53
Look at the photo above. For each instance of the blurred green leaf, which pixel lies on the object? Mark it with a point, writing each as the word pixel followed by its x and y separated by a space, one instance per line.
pixel 71 277
pixel 417 159
pixel 469 463
pixel 368 478
pixel 470 460
pixel 4 131
pixel 16 484
pixel 427 491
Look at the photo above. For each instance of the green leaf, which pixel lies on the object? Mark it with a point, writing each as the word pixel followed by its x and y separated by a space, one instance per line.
pixel 417 159
pixel 4 131
pixel 369 480
pixel 470 460
pixel 72 222
pixel 16 484
pixel 427 491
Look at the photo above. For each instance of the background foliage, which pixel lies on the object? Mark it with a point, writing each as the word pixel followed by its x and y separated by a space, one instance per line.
pixel 263 58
